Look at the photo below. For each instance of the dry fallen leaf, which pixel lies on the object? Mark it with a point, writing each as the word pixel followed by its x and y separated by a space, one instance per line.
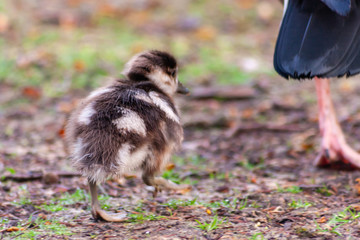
pixel 79 65
pixel 106 10
pixel 253 179
pixel 61 132
pixel 322 220
pixel 138 18
pixel 66 107
pixel 324 210
pixel 205 33
pixel 246 4
pixel 208 211
pixel 42 216
pixel 307 146
pixel 170 166
pixel 31 92
pixel 247 113
pixel 13 229
pixel 355 207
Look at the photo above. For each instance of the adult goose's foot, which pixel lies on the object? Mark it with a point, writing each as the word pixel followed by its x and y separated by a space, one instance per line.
pixel 335 151
pixel 99 213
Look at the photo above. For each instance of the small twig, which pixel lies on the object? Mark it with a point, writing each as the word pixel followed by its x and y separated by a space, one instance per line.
pixel 17 235
pixel 13 216
pixel 68 224
pixel 37 176
pixel 310 187
pixel 218 121
pixel 224 93
pixel 23 177
pixel 102 229
pixel 264 127
pixel 286 107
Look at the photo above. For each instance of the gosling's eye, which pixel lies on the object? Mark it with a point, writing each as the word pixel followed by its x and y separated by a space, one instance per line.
pixel 173 73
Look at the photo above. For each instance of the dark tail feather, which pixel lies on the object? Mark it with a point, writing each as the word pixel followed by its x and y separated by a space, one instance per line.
pixel 316 41
pixel 342 7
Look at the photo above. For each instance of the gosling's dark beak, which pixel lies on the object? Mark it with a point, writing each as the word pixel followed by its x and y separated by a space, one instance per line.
pixel 182 89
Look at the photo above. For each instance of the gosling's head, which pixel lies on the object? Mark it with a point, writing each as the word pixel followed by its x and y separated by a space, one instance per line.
pixel 158 67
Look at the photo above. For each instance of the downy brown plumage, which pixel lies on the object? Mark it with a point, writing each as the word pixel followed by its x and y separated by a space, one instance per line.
pixel 131 125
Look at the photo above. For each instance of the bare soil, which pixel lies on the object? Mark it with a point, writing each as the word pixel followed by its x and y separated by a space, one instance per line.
pixel 250 162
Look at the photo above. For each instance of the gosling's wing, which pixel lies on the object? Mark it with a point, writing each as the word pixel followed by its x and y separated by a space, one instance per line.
pixel 315 40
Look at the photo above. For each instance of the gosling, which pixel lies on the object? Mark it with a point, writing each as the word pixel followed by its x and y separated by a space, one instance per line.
pixel 131 125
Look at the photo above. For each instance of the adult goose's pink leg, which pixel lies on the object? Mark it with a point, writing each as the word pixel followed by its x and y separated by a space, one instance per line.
pixel 334 147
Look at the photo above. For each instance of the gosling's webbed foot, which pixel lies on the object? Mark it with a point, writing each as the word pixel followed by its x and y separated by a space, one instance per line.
pixel 96 210
pixel 100 214
pixel 169 185
pixel 160 183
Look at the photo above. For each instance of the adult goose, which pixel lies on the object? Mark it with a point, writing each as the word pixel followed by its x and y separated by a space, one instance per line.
pixel 320 39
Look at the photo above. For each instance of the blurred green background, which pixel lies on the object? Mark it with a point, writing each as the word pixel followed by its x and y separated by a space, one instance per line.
pixel 49 48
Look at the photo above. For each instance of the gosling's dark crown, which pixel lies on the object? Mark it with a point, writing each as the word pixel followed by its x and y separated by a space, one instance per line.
pixel 142 65
pixel 162 59
pixel 155 66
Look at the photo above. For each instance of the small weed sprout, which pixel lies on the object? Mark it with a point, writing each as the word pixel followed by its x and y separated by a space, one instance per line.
pixel 171 175
pixel 175 203
pixel 257 236
pixel 299 204
pixel 41 227
pixel 325 191
pixel 339 219
pixel 60 203
pixel 248 165
pixel 214 224
pixel 292 189
pixel 141 217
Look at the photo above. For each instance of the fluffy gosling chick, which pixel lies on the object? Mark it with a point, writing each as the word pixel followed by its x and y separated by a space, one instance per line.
pixel 131 125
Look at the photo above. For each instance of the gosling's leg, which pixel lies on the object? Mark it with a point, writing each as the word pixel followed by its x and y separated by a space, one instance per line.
pixel 96 210
pixel 160 183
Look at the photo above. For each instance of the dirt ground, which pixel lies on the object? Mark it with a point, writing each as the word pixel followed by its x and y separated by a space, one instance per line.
pixel 248 152
pixel 249 161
